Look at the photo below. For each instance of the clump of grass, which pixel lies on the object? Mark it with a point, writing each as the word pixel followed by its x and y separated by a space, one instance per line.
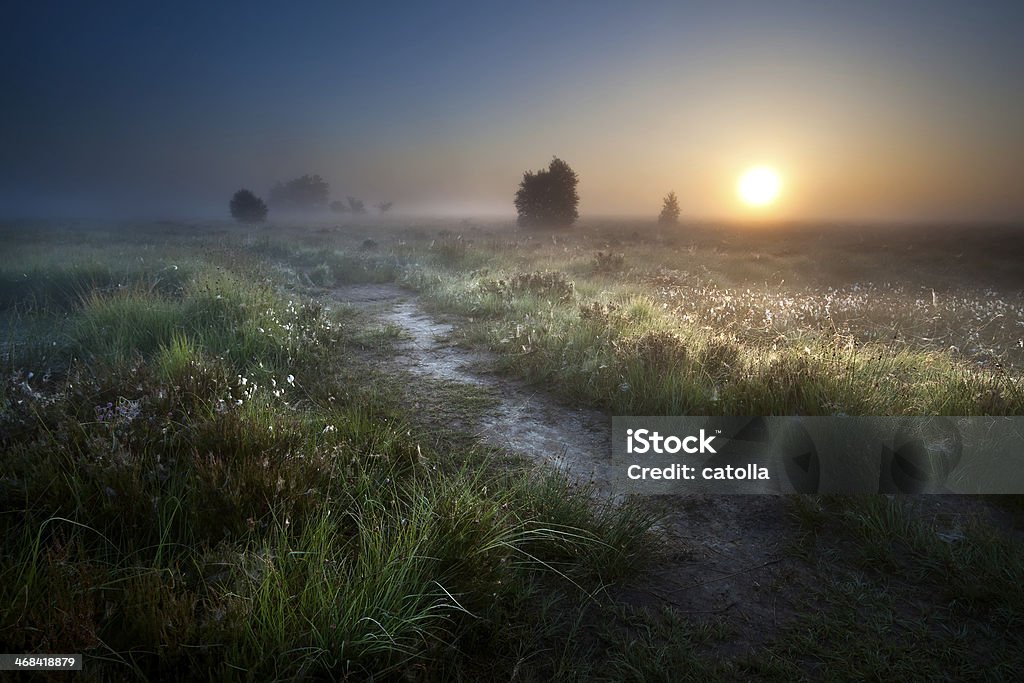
pixel 720 358
pixel 658 349
pixel 450 250
pixel 45 284
pixel 369 266
pixel 174 360
pixel 608 262
pixel 239 321
pixel 118 325
pixel 326 267
pixel 552 286
pixel 598 312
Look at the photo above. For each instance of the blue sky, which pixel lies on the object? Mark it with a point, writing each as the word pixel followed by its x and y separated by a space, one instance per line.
pixel 895 110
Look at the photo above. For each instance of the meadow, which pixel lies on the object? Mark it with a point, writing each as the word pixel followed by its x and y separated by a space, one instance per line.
pixel 210 468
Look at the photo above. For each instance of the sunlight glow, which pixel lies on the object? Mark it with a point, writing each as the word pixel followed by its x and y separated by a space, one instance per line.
pixel 759 186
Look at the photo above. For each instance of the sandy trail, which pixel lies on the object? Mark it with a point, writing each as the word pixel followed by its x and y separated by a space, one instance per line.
pixel 725 553
pixel 726 556
pixel 523 420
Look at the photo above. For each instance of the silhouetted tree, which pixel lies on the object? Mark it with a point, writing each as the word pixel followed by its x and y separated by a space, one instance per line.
pixel 669 209
pixel 356 206
pixel 548 197
pixel 384 207
pixel 338 206
pixel 247 207
pixel 309 192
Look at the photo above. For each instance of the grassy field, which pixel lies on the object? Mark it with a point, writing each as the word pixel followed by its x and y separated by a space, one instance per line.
pixel 207 470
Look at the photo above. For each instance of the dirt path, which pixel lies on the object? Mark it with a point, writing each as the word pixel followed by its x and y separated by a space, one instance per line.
pixel 523 420
pixel 725 554
pixel 726 558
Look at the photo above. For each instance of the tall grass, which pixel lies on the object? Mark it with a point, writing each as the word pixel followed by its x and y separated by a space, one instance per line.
pixel 630 355
pixel 183 497
pixel 53 277
pixel 201 476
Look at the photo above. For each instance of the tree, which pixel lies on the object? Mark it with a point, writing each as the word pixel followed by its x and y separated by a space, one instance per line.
pixel 338 206
pixel 384 207
pixel 307 193
pixel 356 206
pixel 669 210
pixel 247 207
pixel 548 197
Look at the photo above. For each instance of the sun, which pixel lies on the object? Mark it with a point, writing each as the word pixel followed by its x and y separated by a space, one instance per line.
pixel 759 186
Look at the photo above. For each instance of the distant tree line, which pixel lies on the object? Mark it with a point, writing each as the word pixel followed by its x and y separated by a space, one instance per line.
pixel 352 205
pixel 547 197
pixel 308 193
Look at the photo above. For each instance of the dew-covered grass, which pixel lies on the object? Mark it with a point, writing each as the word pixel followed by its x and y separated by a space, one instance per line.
pixel 203 475
pixel 676 326
pixel 202 480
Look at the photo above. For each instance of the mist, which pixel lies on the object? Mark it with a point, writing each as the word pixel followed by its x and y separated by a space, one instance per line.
pixel 133 112
pixel 323 328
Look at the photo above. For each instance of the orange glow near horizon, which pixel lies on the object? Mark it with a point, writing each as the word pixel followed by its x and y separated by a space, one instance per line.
pixel 759 186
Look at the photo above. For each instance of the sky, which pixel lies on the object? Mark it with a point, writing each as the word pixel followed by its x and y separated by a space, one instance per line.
pixel 868 110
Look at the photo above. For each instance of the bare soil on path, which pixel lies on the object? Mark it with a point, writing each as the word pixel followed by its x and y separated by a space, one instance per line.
pixel 725 556
pixel 730 560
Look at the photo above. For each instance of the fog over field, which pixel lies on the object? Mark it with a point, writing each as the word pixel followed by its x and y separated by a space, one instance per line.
pixel 321 329
pixel 877 111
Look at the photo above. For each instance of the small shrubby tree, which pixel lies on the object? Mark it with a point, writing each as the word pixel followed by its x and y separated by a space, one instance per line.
pixel 548 197
pixel 384 207
pixel 247 207
pixel 338 206
pixel 669 210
